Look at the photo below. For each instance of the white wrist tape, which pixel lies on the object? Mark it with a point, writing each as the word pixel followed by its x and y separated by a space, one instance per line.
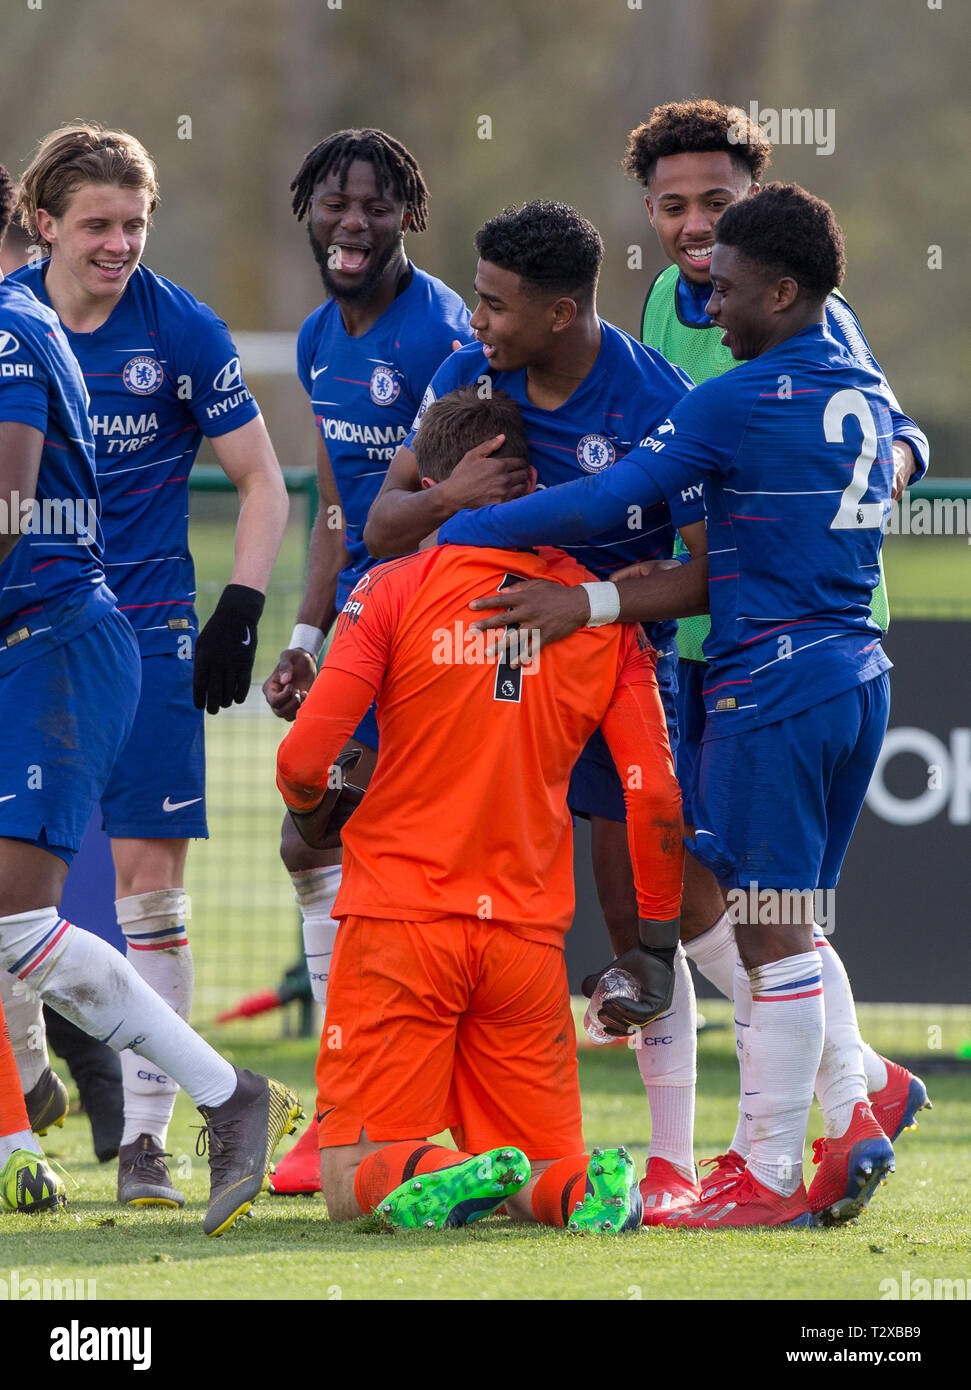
pixel 604 603
pixel 307 639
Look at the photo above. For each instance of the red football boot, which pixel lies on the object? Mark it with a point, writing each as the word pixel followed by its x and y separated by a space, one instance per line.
pixel 299 1170
pixel 850 1168
pixel 895 1107
pixel 725 1170
pixel 664 1190
pixel 745 1202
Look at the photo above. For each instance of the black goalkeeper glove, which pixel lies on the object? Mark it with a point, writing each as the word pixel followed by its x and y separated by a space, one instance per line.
pixel 321 828
pixel 651 964
pixel 226 649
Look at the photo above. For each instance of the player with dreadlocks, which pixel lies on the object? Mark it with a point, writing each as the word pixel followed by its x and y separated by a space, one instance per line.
pixel 364 357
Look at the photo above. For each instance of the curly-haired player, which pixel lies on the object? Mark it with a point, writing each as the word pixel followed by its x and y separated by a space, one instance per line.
pixel 588 394
pixel 793 451
pixel 695 159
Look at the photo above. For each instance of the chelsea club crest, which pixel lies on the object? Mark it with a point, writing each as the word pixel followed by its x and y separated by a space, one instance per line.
pixel 385 385
pixel 594 453
pixel 142 375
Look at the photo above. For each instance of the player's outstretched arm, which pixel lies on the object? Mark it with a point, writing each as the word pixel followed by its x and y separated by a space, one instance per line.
pixel 21 447
pixel 650 592
pixel 327 555
pixel 657 590
pixel 403 513
pixel 690 444
pixel 226 646
pixel 570 511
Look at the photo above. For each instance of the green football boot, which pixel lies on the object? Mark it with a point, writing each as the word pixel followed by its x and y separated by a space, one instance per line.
pixel 29 1184
pixel 457 1195
pixel 613 1199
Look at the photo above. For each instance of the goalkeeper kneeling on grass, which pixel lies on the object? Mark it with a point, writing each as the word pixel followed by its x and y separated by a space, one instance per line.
pixel 448 1006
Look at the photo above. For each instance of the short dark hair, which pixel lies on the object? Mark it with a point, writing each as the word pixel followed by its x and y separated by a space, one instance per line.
pixel 456 423
pixel 696 127
pixel 395 169
pixel 8 201
pixel 789 232
pixel 550 246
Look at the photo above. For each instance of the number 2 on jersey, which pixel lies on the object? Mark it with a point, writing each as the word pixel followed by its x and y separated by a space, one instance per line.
pixel 854 515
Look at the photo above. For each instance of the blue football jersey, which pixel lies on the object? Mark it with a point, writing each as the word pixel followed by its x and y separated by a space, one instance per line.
pixel 365 392
pixel 629 390
pixel 161 372
pixel 794 450
pixel 845 327
pixel 52 584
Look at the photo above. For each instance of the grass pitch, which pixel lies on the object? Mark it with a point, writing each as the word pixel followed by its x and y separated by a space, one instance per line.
pixel 288 1250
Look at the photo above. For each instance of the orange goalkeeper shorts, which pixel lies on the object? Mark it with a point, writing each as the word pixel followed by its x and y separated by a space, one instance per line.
pixel 452 1024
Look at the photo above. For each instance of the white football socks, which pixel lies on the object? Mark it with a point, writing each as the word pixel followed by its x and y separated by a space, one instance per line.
pixel 841 1082
pixel 316 890
pixel 715 954
pixel 154 929
pixel 666 1058
pixel 743 1021
pixel 782 1050
pixel 92 984
pixel 10 1143
pixel 25 1025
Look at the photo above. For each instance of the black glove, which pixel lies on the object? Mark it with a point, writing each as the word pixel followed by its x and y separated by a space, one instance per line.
pixel 321 828
pixel 651 963
pixel 226 649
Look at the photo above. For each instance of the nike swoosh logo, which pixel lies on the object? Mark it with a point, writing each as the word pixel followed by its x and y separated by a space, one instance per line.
pixel 314 374
pixel 248 638
pixel 325 1114
pixel 168 805
pixel 11 797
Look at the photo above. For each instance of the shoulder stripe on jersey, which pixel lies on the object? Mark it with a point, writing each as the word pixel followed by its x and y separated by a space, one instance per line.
pixel 384 568
pixel 851 331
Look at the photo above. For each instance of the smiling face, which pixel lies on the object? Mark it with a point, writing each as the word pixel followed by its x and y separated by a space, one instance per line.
pixel 747 303
pixel 687 195
pixel 516 329
pixel 356 232
pixel 97 243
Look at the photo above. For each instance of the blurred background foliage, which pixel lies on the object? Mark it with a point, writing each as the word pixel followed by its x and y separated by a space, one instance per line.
pixel 562 81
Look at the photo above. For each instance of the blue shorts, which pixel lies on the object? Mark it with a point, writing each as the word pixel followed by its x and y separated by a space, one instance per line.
pixel 157 790
pixel 691 728
pixel 595 787
pixel 64 718
pixel 777 806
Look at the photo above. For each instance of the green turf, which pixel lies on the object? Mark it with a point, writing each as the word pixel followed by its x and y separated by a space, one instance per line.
pixel 289 1249
pixel 928 576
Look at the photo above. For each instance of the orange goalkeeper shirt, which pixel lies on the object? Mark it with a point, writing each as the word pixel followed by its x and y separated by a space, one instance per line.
pixel 466 812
